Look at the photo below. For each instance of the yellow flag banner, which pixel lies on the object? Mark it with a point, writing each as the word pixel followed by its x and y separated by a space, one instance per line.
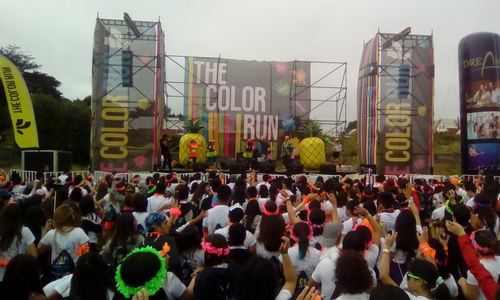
pixel 19 103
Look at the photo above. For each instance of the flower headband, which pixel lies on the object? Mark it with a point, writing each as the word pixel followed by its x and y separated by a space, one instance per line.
pixel 309 236
pixel 152 286
pixel 268 213
pixel 482 250
pixel 209 248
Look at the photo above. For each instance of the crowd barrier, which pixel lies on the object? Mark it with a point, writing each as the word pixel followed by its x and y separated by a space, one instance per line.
pixel 30 176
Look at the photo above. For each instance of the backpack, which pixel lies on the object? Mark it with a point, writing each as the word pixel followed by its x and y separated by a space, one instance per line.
pixel 302 282
pixel 186 272
pixel 63 264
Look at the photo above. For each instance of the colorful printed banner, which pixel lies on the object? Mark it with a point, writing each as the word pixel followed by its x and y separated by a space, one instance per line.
pixel 479 69
pixel 405 104
pixel 128 74
pixel 367 103
pixel 237 100
pixel 19 103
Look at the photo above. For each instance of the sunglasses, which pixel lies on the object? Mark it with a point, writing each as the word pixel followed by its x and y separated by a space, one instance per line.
pixel 410 275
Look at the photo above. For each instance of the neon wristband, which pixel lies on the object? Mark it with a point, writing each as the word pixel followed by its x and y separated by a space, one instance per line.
pixel 284 254
pixel 386 250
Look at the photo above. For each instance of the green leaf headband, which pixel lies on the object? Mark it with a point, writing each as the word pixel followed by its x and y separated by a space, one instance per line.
pixel 152 286
pixel 448 208
pixel 416 277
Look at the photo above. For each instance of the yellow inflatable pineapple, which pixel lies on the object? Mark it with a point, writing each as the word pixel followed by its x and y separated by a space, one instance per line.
pixel 193 132
pixel 312 148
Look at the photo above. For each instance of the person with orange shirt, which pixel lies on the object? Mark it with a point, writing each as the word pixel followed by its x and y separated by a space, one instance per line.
pixel 194 150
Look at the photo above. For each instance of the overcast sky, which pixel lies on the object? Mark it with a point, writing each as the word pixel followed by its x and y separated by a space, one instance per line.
pixel 59 33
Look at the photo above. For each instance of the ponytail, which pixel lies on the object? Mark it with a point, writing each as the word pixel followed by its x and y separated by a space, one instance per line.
pixel 301 234
pixel 303 245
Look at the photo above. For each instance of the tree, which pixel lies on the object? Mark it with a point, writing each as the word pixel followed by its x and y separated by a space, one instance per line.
pixel 22 61
pixel 37 82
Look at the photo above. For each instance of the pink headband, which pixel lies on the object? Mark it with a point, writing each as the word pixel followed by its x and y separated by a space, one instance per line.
pixel 208 248
pixel 482 250
pixel 268 213
pixel 296 239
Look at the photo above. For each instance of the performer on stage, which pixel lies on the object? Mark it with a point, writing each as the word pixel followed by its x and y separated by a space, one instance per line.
pixel 287 151
pixel 194 149
pixel 248 154
pixel 211 153
pixel 337 148
pixel 165 152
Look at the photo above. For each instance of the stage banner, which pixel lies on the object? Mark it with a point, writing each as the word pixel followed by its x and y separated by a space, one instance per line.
pixel 19 103
pixel 405 104
pixel 367 103
pixel 127 95
pixel 479 71
pixel 238 99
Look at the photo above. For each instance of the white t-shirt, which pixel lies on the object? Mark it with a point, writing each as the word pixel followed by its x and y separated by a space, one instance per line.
pixel 140 217
pixel 216 217
pixel 438 213
pixel 84 191
pixel 16 248
pixel 400 255
pixel 341 212
pixel 493 266
pixel 173 286
pixel 470 202
pixel 362 296
pixel 262 183
pixel 261 251
pixel 280 197
pixel 371 256
pixel 69 241
pixel 62 178
pixel 388 219
pixel 324 274
pixel 156 201
pixel 249 241
pixel 63 287
pixel 349 224
pixel 284 295
pixel 307 264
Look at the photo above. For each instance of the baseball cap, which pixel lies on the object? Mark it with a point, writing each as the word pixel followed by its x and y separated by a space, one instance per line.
pixel 331 233
pixel 154 219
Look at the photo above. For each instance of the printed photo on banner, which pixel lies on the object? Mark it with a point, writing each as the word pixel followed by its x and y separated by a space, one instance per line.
pixel 483 94
pixel 483 156
pixel 483 125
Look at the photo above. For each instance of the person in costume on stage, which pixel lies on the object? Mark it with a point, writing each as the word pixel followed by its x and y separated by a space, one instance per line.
pixel 248 154
pixel 165 152
pixel 194 150
pixel 337 148
pixel 287 151
pixel 211 153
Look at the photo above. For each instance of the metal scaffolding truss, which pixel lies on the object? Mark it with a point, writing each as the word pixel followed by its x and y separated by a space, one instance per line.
pixel 328 90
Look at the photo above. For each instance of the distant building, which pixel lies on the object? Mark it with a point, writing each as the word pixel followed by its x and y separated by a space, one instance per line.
pixel 447 125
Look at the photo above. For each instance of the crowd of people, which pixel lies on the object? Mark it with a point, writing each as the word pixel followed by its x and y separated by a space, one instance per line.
pixel 177 237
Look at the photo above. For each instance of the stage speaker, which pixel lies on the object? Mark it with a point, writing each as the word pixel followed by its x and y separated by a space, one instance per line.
pixel 200 167
pixel 328 169
pixel 35 160
pixel 266 167
pixel 236 167
pixel 295 168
